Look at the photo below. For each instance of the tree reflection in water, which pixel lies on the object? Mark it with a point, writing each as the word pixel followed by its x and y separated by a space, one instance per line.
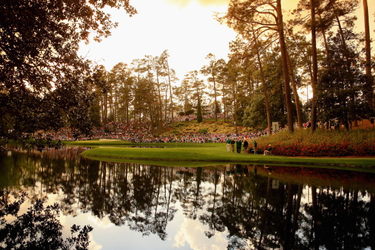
pixel 257 207
pixel 38 228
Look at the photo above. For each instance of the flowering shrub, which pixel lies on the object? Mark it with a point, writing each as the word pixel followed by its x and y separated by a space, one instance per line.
pixel 321 143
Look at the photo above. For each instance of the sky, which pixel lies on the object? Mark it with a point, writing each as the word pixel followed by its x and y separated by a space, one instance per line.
pixel 186 28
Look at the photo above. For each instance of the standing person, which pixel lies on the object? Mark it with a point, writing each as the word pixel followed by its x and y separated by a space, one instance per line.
pixel 245 146
pixel 238 145
pixel 255 146
pixel 232 142
pixel 228 144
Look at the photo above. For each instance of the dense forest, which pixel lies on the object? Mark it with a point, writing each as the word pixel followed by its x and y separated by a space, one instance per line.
pixel 273 67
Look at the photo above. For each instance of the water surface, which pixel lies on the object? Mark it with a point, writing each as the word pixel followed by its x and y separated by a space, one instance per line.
pixel 136 206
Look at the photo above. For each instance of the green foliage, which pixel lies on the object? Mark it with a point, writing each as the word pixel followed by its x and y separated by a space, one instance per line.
pixel 39 143
pixel 341 83
pixel 179 124
pixel 203 131
pixel 95 114
pixel 255 115
pixel 44 83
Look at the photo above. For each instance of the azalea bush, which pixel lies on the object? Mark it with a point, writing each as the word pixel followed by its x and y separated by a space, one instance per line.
pixel 304 142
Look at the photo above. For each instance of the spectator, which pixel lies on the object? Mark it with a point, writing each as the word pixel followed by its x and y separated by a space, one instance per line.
pixel 238 145
pixel 232 142
pixel 255 146
pixel 228 144
pixel 245 145
pixel 268 151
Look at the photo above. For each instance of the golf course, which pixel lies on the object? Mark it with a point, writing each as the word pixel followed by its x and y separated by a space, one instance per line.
pixel 208 154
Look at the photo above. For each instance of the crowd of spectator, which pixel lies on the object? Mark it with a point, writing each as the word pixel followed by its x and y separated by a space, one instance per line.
pixel 141 132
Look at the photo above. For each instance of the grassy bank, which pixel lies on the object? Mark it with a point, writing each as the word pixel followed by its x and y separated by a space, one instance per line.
pixel 323 148
pixel 213 154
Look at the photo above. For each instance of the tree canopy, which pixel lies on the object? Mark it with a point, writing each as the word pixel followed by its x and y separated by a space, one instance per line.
pixel 46 85
pixel 43 80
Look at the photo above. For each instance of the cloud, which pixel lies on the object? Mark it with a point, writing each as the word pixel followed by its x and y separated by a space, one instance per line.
pixel 191 234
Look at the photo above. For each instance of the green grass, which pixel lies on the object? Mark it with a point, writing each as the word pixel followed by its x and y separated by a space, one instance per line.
pixel 209 154
pixel 190 154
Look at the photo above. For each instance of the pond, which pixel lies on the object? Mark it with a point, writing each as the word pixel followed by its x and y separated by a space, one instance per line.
pixel 136 206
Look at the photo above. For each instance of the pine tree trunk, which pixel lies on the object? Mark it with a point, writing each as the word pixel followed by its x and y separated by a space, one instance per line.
pixel 315 66
pixel 369 79
pixel 288 101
